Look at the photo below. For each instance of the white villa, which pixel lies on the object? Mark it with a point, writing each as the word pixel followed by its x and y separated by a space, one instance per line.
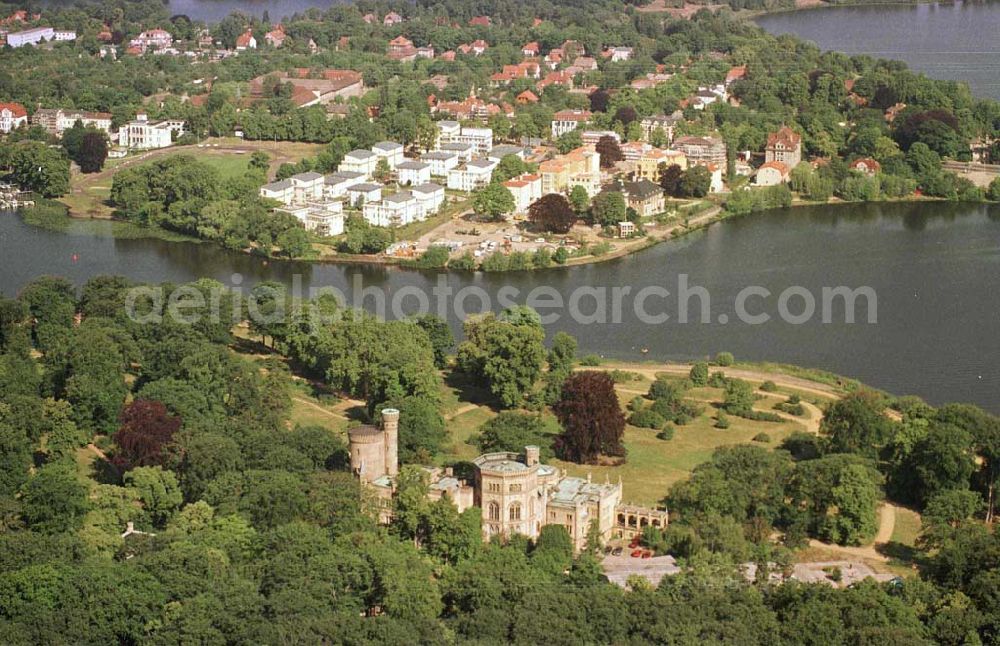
pixel 452 132
pixel 405 207
pixel 337 184
pixel 526 189
pixel 473 175
pixel 390 151
pixel 364 193
pixel 412 173
pixel 143 134
pixel 359 161
pixel 441 162
pixel 297 189
pixel 326 219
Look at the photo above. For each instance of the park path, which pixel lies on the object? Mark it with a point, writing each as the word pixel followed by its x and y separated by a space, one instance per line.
pixel 886 526
pixel 321 409
pixel 798 383
pixel 461 411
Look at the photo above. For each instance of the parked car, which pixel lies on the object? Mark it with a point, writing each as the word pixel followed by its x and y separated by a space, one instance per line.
pixel 636 554
pixel 616 552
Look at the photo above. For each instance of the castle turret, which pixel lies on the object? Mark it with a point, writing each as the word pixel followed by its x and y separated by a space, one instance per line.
pixel 532 455
pixel 390 427
pixel 367 452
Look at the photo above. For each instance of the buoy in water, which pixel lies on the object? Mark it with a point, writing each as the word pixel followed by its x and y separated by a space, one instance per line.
pixel 75 257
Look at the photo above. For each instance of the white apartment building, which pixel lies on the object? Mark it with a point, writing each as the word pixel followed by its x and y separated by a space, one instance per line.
pixel 364 193
pixel 499 152
pixel 465 152
pixel 526 189
pixel 451 132
pixel 440 162
pixel 359 161
pixel 326 219
pixel 412 173
pixel 297 189
pixel 64 35
pixel 57 120
pixel 336 184
pixel 143 134
pixel 591 137
pixel 471 176
pixel 30 36
pixel 429 196
pixel 568 120
pixel 390 151
pixel 394 210
pixel 12 116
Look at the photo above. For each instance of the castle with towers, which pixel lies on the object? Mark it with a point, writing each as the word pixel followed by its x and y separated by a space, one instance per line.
pixel 516 492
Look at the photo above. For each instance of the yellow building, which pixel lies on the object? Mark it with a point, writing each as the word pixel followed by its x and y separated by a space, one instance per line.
pixel 579 167
pixel 647 166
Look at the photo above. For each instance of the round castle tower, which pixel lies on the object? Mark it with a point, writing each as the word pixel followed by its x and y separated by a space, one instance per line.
pixel 374 452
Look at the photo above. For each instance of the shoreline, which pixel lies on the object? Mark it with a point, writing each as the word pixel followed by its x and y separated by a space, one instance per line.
pixel 120 229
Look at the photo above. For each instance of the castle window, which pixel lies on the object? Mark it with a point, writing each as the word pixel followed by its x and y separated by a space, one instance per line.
pixel 515 511
pixel 494 511
pixel 515 488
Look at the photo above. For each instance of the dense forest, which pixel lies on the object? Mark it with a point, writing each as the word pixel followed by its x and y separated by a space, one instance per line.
pixel 250 529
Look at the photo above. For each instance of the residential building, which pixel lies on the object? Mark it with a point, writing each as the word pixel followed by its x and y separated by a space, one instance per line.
pixel 30 36
pixel 464 151
pixel 660 122
pixel 865 165
pixel 246 41
pixel 650 80
pixel 645 197
pixel 337 184
pixel 784 146
pixel 276 37
pixel 429 196
pixel 526 189
pixel 297 189
pixel 562 78
pixel 450 132
pixel 143 134
pixel 401 49
pixel 526 97
pixel 530 50
pixel 326 219
pixel 390 151
pixel 392 18
pixel 440 162
pixel 480 21
pixel 772 173
pixel 153 39
pixel 579 167
pixel 12 116
pixel 715 185
pixel 499 152
pixel 591 137
pixel 626 229
pixel 331 85
pixel 64 35
pixel 364 193
pixel 568 120
pixel 359 161
pixel 404 207
pixel 647 166
pixel 701 151
pixel 471 176
pixel 56 120
pixel 736 74
pixel 617 54
pixel 412 173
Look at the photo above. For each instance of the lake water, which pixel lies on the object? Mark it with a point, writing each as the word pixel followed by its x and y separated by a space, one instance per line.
pixel 932 266
pixel 954 41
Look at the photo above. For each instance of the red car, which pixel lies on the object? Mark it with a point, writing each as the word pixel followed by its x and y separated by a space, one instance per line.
pixel 647 554
pixel 636 554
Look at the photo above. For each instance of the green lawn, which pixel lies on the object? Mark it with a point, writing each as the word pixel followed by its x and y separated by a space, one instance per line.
pixel 907 527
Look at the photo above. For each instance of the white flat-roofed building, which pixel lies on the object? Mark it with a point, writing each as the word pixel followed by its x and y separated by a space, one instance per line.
pixel 525 189
pixel 57 120
pixel 30 36
pixel 591 137
pixel 429 196
pixel 499 152
pixel 359 161
pixel 143 134
pixel 412 173
pixel 471 176
pixel 441 162
pixel 281 191
pixel 465 152
pixel 451 132
pixel 390 151
pixel 64 35
pixel 364 193
pixel 336 184
pixel 326 219
pixel 307 187
pixel 394 210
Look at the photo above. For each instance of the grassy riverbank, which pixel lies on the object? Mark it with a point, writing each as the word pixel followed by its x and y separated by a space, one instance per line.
pixel 54 216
